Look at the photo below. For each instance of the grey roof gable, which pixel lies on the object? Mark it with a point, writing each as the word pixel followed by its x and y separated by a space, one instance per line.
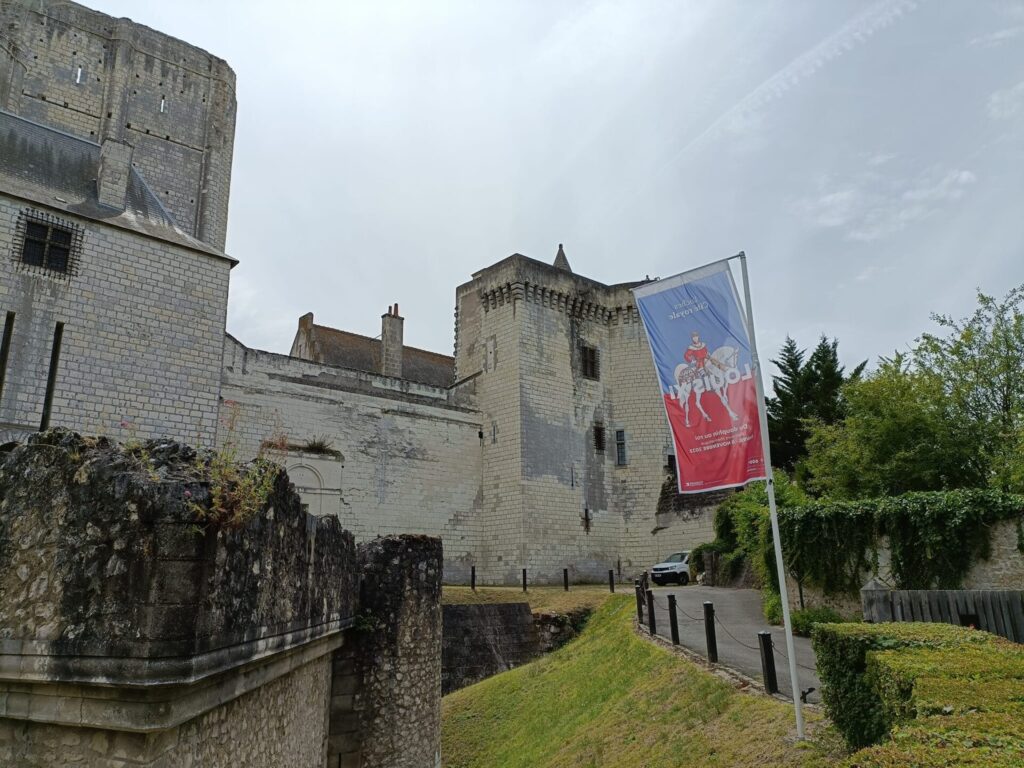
pixel 58 170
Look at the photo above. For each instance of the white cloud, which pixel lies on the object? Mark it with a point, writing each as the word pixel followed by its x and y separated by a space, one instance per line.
pixel 997 38
pixel 871 207
pixel 1007 103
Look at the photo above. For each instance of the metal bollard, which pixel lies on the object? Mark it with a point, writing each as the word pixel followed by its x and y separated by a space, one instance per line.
pixel 639 601
pixel 565 578
pixel 651 624
pixel 764 642
pixel 611 581
pixel 524 579
pixel 709 631
pixel 673 621
pixel 472 577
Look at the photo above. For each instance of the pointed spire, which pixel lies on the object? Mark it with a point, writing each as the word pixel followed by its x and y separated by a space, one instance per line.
pixel 560 261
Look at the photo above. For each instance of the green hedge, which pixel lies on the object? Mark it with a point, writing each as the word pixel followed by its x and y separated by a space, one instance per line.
pixel 842 650
pixel 949 696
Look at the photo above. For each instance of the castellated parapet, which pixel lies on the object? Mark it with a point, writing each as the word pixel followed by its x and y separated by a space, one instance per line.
pixel 134 631
pixel 99 78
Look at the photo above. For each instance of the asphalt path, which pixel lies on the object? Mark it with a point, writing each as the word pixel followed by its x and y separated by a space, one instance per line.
pixel 739 619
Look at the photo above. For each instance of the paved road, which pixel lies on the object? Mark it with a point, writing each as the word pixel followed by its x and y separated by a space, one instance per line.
pixel 739 613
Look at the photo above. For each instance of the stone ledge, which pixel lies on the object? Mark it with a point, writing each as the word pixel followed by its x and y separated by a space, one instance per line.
pixel 35 663
pixel 153 708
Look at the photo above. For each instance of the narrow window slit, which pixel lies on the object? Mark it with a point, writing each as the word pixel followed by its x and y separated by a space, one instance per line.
pixel 51 378
pixel 78 77
pixel 5 348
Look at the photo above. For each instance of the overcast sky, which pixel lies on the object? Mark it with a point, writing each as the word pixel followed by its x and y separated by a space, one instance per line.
pixel 868 156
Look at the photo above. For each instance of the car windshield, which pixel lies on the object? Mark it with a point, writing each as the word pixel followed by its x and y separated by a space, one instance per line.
pixel 678 557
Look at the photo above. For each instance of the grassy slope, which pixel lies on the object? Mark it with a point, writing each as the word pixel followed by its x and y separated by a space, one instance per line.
pixel 613 699
pixel 554 599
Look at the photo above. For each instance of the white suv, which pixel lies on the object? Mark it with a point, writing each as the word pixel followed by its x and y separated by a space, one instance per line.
pixel 676 567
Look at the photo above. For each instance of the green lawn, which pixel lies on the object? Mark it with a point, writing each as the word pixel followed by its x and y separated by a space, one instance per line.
pixel 610 698
pixel 554 599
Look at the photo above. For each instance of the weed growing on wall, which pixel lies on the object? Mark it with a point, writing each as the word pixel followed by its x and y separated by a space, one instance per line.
pixel 238 491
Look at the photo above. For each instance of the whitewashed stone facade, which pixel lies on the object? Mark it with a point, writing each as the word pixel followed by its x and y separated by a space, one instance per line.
pixel 499 453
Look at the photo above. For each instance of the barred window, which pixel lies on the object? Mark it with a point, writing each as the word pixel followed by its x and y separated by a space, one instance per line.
pixel 48 244
pixel 599 441
pixel 590 362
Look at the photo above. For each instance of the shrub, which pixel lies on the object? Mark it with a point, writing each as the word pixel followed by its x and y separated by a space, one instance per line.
pixel 805 619
pixel 772 607
pixel 842 650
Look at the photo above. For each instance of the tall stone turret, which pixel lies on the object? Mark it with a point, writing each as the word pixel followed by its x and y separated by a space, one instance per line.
pixel 111 80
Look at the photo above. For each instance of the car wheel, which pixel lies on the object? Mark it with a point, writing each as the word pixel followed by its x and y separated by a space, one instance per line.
pixel 684 579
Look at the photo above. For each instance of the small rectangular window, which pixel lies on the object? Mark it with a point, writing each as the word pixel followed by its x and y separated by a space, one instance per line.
pixel 590 365
pixel 599 441
pixel 620 447
pixel 47 244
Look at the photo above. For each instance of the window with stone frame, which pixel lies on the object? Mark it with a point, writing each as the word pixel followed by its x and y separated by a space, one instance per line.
pixel 47 244
pixel 620 447
pixel 590 362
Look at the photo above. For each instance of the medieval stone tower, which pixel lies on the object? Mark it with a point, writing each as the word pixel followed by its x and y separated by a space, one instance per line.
pixel 575 445
pixel 115 167
pixel 168 104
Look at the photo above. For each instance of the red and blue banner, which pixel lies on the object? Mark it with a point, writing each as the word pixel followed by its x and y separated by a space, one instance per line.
pixel 702 354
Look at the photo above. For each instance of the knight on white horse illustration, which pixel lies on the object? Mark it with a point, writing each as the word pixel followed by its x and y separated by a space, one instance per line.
pixel 708 369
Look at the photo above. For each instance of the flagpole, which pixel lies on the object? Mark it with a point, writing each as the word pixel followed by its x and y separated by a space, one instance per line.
pixel 766 448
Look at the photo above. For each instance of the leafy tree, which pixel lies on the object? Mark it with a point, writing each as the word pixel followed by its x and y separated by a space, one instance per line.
pixel 898 435
pixel 980 365
pixel 805 389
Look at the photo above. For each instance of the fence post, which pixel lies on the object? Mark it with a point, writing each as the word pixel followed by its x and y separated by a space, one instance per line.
pixel 709 631
pixel 672 620
pixel 472 577
pixel 639 601
pixel 611 581
pixel 524 579
pixel 565 578
pixel 651 625
pixel 764 642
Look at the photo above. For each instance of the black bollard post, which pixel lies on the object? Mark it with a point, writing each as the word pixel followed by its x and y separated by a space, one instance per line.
pixel 639 601
pixel 472 577
pixel 651 624
pixel 764 642
pixel 565 578
pixel 673 621
pixel 524 579
pixel 611 581
pixel 709 631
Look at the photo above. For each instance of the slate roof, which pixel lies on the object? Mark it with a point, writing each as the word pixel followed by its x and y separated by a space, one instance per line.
pixel 351 350
pixel 58 170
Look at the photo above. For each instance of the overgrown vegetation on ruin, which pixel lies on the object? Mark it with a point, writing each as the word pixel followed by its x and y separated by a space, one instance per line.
pixel 611 698
pixel 238 490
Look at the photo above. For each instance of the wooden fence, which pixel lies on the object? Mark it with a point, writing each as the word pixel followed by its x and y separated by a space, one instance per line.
pixel 998 611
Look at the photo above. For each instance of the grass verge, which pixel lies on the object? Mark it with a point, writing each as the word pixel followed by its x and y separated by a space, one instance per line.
pixel 613 699
pixel 548 599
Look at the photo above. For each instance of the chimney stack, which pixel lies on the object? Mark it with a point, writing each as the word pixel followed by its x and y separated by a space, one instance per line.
pixel 114 171
pixel 391 332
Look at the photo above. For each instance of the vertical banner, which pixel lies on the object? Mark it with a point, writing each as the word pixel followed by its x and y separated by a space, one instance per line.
pixel 702 354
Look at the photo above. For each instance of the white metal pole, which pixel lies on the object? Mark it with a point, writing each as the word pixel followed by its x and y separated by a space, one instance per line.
pixel 765 446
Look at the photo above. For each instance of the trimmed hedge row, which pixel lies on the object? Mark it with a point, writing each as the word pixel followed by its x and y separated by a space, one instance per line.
pixel 948 695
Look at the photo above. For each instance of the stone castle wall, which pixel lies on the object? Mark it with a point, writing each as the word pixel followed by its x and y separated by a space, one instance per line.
pixel 140 353
pixel 95 77
pixel 137 631
pixel 1004 569
pixel 409 453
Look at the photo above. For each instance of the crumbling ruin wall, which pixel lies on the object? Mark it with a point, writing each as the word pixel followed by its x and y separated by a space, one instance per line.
pixel 386 705
pixel 135 631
